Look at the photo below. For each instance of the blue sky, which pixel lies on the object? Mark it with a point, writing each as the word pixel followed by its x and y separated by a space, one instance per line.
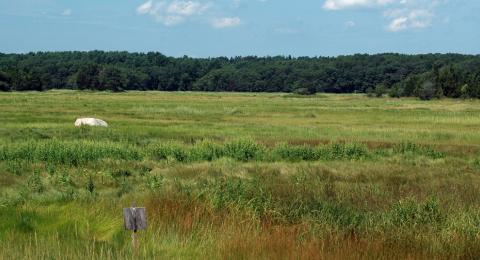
pixel 203 28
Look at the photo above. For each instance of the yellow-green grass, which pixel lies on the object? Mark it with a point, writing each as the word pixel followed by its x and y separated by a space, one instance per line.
pixel 239 176
pixel 265 117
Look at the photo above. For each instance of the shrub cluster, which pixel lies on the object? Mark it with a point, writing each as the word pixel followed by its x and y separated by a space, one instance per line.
pixel 245 150
pixel 417 150
pixel 77 153
pixel 70 153
pixel 328 152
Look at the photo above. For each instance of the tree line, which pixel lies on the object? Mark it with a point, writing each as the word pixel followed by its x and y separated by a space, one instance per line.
pixel 426 76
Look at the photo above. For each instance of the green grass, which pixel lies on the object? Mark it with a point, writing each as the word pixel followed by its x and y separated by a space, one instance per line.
pixel 239 176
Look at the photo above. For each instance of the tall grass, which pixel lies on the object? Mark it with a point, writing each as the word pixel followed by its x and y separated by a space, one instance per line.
pixel 70 153
pixel 243 150
pixel 341 177
pixel 266 215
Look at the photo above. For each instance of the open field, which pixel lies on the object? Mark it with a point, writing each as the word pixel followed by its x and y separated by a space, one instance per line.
pixel 239 176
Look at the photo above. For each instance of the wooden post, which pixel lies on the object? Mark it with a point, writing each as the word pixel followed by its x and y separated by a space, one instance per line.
pixel 135 219
pixel 134 242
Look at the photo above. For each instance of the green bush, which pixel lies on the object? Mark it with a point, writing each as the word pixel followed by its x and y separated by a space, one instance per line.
pixel 206 151
pixel 396 91
pixel 295 153
pixel 427 91
pixel 244 150
pixel 343 152
pixel 170 150
pixel 54 154
pixel 155 182
pixel 70 152
pixel 380 90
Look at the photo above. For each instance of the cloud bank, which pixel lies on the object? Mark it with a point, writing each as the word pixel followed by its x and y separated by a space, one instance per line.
pixel 174 12
pixel 403 19
pixel 343 4
pixel 401 15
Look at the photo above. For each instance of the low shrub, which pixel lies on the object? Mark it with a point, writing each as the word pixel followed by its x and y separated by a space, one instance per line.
pixel 169 150
pixel 54 154
pixel 206 151
pixel 244 150
pixel 343 152
pixel 70 153
pixel 295 153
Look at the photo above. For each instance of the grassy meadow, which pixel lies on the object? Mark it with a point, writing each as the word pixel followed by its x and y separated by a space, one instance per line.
pixel 239 176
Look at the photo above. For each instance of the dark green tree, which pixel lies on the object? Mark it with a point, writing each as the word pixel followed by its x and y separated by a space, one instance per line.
pixel 111 78
pixel 4 82
pixel 304 87
pixel 452 75
pixel 427 91
pixel 88 77
pixel 380 90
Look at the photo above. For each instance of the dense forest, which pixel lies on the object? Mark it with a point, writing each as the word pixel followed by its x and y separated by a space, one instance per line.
pixel 425 76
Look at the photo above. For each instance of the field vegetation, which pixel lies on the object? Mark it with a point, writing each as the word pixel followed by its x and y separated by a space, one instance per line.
pixel 239 176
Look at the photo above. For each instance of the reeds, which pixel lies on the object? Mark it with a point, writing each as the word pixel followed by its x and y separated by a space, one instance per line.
pixel 76 153
pixel 240 176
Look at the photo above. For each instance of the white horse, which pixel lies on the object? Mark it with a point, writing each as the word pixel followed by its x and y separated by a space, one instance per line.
pixel 90 122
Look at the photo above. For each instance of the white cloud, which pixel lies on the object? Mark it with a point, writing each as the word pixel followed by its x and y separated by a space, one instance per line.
pixel 145 8
pixel 342 4
pixel 403 19
pixel 401 14
pixel 226 22
pixel 67 12
pixel 398 24
pixel 186 8
pixel 172 12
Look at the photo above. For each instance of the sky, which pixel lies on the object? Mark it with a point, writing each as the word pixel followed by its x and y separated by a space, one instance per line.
pixel 211 28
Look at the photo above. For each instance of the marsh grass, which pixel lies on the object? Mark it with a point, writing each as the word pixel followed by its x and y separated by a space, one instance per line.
pixel 264 215
pixel 239 176
pixel 78 153
pixel 70 153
